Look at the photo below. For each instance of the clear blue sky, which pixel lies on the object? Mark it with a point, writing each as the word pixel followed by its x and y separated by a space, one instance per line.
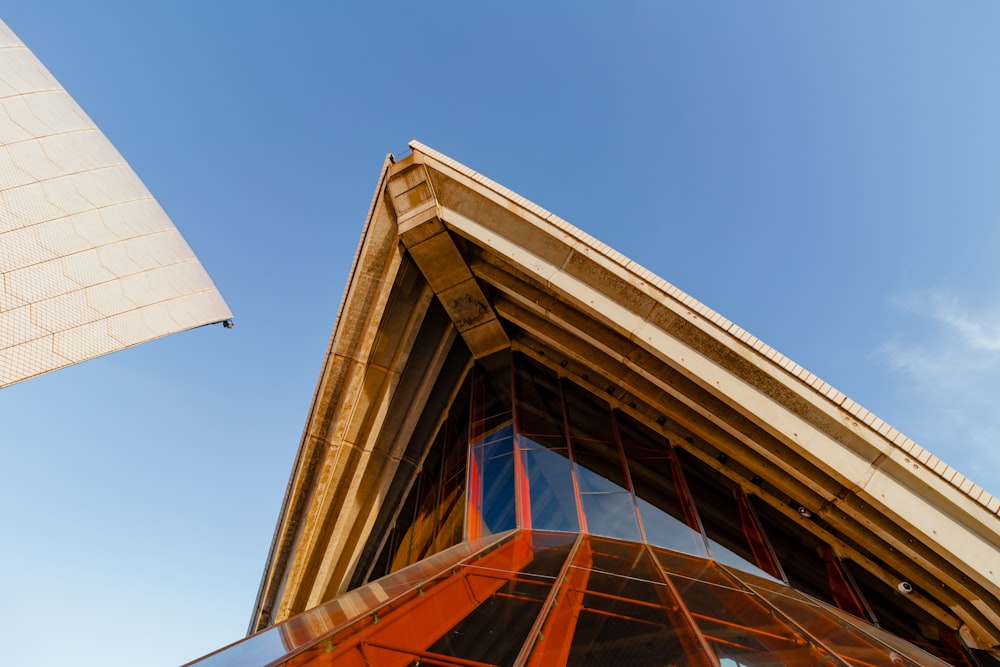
pixel 827 175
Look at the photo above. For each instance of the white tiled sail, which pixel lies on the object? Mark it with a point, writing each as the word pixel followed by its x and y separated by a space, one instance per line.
pixel 89 262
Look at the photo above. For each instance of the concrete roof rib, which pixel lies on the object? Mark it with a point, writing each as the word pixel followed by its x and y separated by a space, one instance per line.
pixel 837 398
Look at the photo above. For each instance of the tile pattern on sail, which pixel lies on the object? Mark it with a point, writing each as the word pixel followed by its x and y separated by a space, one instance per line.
pixel 89 262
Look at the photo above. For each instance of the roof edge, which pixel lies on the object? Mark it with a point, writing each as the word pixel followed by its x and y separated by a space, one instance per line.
pixel 824 390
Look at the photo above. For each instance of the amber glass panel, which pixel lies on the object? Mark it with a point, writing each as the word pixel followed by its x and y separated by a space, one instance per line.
pixel 846 635
pixel 664 520
pixel 451 500
pixel 621 612
pixel 270 646
pixel 403 628
pixel 739 627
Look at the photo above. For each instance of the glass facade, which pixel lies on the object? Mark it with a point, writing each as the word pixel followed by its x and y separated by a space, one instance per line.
pixel 555 598
pixel 547 526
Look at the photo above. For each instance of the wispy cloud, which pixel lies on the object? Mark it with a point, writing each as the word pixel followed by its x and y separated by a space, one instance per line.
pixel 946 354
pixel 978 329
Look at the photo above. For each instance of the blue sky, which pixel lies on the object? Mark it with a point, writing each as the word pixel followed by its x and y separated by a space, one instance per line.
pixel 824 174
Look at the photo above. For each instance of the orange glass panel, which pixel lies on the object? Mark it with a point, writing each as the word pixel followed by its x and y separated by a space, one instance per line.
pixel 555 637
pixel 272 645
pixel 614 609
pixel 739 626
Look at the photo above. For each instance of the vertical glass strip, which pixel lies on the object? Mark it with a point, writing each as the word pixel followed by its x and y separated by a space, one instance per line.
pixel 845 595
pixel 493 509
pixel 604 493
pixel 574 472
pixel 492 500
pixel 620 450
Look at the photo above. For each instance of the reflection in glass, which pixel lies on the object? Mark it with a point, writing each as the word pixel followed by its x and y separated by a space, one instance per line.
pixel 611 515
pixel 843 633
pixel 604 489
pixel 614 609
pixel 553 599
pixel 550 482
pixel 563 460
pixel 491 484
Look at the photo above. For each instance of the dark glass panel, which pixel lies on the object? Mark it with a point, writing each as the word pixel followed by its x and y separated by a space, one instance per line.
pixel 599 467
pixel 538 400
pixel 900 616
pixel 549 550
pixel 985 658
pixel 589 417
pixel 632 565
pixel 550 480
pixel 495 631
pixel 491 395
pixel 661 510
pixel 719 511
pixel 798 550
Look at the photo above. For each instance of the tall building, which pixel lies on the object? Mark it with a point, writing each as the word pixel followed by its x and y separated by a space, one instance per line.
pixel 89 262
pixel 525 449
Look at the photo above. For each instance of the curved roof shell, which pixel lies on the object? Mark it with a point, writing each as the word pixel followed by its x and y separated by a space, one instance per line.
pixel 89 262
pixel 509 274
